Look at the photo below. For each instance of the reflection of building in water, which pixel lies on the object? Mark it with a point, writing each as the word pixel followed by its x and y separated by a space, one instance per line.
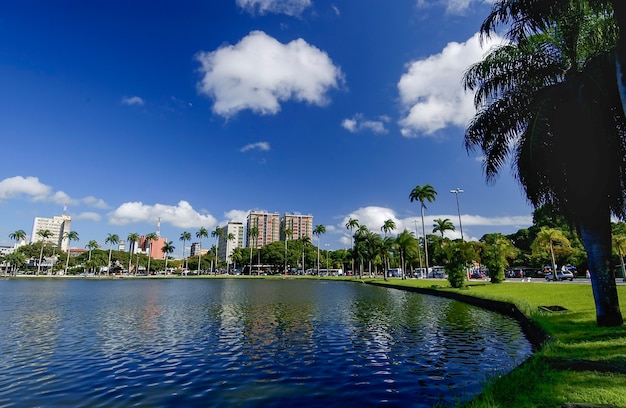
pixel 283 323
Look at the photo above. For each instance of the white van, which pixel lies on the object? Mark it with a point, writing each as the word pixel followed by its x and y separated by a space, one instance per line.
pixel 394 273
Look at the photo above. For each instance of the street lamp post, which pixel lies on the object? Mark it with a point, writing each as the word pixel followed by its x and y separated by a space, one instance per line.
pixel 456 191
pixel 419 252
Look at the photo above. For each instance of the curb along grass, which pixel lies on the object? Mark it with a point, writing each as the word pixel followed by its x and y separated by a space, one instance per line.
pixel 576 362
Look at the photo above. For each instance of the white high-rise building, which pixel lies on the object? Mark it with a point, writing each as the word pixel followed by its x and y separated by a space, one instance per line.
pixel 57 225
pixel 227 246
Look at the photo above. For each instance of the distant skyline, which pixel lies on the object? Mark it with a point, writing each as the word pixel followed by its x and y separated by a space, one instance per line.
pixel 200 112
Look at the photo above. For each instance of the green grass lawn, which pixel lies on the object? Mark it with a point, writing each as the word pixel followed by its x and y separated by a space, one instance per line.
pixel 582 363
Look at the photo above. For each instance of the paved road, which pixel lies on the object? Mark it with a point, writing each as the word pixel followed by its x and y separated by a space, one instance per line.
pixel 578 281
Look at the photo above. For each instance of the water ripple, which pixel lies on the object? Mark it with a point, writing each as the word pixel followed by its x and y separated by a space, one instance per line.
pixel 243 343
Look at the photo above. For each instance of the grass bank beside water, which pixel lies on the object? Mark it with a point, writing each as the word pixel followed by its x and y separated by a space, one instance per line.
pixel 579 364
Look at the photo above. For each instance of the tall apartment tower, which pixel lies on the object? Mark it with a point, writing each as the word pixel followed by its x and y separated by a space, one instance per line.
pixel 227 246
pixel 300 226
pixel 268 226
pixel 57 225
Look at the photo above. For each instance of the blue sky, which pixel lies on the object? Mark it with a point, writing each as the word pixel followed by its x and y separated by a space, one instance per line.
pixel 199 111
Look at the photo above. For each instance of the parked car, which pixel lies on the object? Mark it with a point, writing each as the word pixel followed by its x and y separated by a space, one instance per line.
pixel 560 275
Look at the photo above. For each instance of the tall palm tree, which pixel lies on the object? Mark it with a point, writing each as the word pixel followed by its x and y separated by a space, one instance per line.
pixel 351 225
pixel 167 249
pixel 546 97
pixel 91 245
pixel 306 241
pixel 360 246
pixel 70 236
pixel 422 194
pixel 230 237
pixel 253 233
pixel 149 239
pixel 112 239
pixel 388 225
pixel 202 233
pixel 319 230
pixel 442 226
pixel 17 236
pixel 217 233
pixel 43 234
pixel 287 232
pixel 132 239
pixel 185 236
pixel 407 246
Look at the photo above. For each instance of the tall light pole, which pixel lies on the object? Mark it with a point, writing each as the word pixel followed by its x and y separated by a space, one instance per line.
pixel 456 191
pixel 419 252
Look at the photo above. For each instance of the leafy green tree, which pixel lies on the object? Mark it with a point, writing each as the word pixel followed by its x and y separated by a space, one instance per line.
pixel 70 236
pixel 167 249
pixel 546 97
pixel 496 252
pixel 552 241
pixel 201 233
pixel 15 259
pixel 619 246
pixel 458 254
pixel 317 231
pixel 442 226
pixel 43 234
pixel 422 194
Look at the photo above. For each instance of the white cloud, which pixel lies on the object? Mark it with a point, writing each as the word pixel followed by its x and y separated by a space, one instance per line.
pixel 263 146
pixel 95 202
pixel 290 7
pixel 237 216
pixel 431 91
pixel 453 6
pixel 18 186
pixel 374 217
pixel 259 73
pixel 31 187
pixel 132 101
pixel 90 216
pixel 358 123
pixel 181 215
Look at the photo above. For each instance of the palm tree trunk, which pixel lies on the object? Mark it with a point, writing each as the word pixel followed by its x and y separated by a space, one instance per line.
pixel 40 258
pixel 595 231
pixel 425 240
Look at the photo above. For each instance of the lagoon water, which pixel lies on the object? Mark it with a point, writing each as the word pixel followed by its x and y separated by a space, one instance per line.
pixel 243 343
